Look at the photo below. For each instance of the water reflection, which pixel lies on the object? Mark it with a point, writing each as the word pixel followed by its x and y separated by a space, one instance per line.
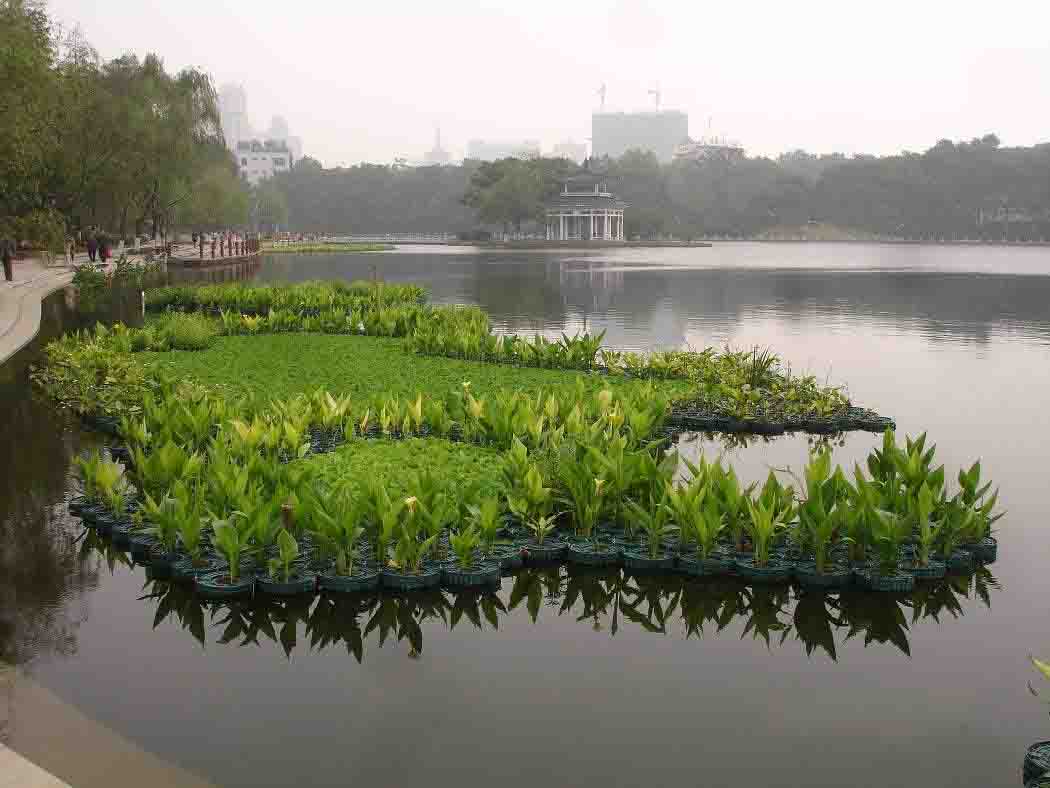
pixel 44 573
pixel 676 297
pixel 607 600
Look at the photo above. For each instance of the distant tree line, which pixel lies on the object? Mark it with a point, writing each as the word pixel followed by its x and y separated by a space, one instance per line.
pixel 122 144
pixel 974 189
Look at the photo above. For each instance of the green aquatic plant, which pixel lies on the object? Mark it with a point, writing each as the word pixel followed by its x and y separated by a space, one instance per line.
pixel 465 543
pixel 541 526
pixel 762 526
pixel 888 534
pixel 232 539
pixel 654 522
pixel 287 552
pixel 340 526
pixel 485 517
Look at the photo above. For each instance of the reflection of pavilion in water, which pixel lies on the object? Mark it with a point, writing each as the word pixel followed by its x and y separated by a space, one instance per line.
pixel 593 282
pixel 603 600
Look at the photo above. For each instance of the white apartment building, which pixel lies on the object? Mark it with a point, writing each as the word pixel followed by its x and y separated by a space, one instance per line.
pixel 259 160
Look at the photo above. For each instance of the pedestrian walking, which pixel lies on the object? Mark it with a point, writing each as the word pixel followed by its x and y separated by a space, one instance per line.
pixel 92 247
pixel 213 247
pixel 200 240
pixel 7 253
pixel 71 250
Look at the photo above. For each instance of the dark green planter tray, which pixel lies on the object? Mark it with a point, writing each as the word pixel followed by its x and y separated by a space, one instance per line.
pixel 1036 760
pixel 960 562
pixel 161 564
pixel 934 570
pixel 396 581
pixel 487 574
pixel 184 569
pixel 217 586
pixel 549 551
pixel 691 565
pixel 985 551
pixel 638 561
pixel 585 554
pixel 359 582
pixel 834 576
pixel 775 571
pixel 140 546
pixel 90 512
pixel 509 559
pixel 76 505
pixel 298 584
pixel 900 583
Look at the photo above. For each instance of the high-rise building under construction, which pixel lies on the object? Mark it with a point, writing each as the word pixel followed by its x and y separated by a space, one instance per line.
pixel 615 133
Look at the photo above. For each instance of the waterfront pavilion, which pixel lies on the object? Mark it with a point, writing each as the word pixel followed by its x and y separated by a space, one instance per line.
pixel 586 210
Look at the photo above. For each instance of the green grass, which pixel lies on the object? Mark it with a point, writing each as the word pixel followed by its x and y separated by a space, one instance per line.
pixel 282 365
pixel 395 462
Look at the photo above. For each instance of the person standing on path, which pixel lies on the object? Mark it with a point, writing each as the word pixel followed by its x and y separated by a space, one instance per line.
pixel 71 250
pixel 7 253
pixel 92 247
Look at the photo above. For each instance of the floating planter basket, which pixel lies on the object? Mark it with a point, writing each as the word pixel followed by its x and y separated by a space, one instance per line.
pixel 1036 760
pixel 429 577
pixel 120 534
pixel 586 553
pixel 361 581
pixel 161 564
pixel 298 583
pixel 550 550
pixel 140 545
pixel 484 574
pixel 120 453
pixel 219 586
pixel 833 576
pixel 775 570
pixel 691 565
pixel 188 569
pixel 90 512
pixel 934 570
pixel 986 550
pixel 960 562
pixel 638 561
pixel 898 583
pixel 509 558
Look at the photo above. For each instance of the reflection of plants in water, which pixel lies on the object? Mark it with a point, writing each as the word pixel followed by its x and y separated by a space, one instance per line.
pixel 533 586
pixel 604 598
pixel 930 600
pixel 596 590
pixel 879 617
pixel 815 619
pixel 475 604
pixel 766 605
pixel 649 600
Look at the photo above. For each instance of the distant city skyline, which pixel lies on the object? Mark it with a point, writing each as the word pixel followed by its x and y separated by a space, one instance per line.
pixel 371 82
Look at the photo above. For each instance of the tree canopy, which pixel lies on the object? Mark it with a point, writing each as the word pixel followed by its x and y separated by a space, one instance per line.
pixel 122 143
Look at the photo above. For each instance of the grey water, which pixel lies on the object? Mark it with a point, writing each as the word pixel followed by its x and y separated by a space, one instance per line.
pixel 582 678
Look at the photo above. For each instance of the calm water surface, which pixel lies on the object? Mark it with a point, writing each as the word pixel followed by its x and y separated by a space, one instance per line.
pixel 570 678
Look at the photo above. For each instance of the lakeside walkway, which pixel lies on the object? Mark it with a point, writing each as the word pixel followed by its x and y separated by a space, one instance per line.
pixel 20 302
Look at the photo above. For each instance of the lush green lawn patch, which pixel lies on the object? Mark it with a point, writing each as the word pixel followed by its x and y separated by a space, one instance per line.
pixel 461 466
pixel 280 365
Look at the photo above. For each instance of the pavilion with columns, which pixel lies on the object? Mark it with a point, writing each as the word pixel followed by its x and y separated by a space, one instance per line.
pixel 586 210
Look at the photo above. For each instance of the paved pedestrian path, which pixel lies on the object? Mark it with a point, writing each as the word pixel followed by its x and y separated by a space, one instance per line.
pixel 20 302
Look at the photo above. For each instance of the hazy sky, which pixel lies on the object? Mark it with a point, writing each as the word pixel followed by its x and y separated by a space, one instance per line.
pixel 371 81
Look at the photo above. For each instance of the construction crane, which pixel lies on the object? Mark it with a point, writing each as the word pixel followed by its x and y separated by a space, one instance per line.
pixel 655 93
pixel 601 95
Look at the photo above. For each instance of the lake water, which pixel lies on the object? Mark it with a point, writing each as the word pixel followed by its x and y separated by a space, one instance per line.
pixel 584 679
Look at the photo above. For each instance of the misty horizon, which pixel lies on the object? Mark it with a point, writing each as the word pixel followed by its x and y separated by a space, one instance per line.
pixel 374 84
